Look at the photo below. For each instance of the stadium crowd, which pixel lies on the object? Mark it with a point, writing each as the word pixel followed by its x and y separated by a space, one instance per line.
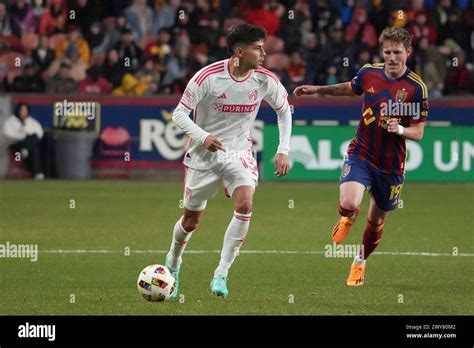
pixel 140 47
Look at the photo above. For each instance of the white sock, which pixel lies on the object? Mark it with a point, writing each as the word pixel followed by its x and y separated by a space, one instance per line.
pixel 180 240
pixel 233 239
pixel 359 260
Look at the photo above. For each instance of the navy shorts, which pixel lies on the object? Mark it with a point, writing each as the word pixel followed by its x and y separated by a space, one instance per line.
pixel 385 188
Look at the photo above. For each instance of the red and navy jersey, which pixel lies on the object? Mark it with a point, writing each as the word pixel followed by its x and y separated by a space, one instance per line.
pixel 404 98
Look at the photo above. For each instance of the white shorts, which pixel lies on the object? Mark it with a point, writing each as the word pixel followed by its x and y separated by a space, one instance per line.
pixel 201 185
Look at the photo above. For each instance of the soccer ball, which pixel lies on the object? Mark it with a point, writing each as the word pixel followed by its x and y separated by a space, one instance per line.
pixel 155 283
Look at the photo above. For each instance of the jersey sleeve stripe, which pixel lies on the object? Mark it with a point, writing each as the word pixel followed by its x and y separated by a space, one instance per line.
pixel 268 72
pixel 203 76
pixel 207 69
pixel 264 73
pixel 185 105
pixel 416 79
pixel 209 74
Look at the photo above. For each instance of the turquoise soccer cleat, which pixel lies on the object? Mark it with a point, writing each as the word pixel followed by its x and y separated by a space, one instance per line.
pixel 219 286
pixel 175 273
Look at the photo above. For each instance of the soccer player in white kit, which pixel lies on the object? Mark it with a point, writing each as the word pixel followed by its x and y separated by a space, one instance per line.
pixel 225 97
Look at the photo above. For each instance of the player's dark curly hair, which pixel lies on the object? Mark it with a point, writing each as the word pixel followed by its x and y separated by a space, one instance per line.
pixel 396 35
pixel 244 34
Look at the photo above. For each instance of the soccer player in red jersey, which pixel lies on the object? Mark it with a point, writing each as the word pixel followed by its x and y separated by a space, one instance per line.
pixel 395 109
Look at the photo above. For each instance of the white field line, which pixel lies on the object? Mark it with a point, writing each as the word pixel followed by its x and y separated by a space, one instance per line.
pixel 296 252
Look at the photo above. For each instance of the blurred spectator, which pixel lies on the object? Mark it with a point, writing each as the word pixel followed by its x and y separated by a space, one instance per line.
pixel 331 76
pixel 454 29
pixel 24 135
pixel 23 16
pixel 219 52
pixel 29 81
pixel 7 24
pixel 130 87
pixel 160 46
pixel 54 20
pixel 166 16
pixel 458 79
pixel 95 38
pixel 439 13
pixel 360 31
pixel 321 17
pixel 199 59
pixel 296 71
pixel 422 28
pixel 4 86
pixel 140 18
pixel 113 69
pixel 291 24
pixel 78 67
pixel 338 51
pixel 201 16
pixel 111 35
pixel 176 70
pixel 43 55
pixel 431 66
pixel 94 83
pixel 84 14
pixel 150 76
pixel 211 32
pixel 121 24
pixel 257 15
pixel 363 58
pixel 313 55
pixel 128 51
pixel 62 83
pixel 39 7
pixel 74 43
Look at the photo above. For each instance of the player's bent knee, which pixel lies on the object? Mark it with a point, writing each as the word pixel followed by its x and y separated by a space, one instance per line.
pixel 348 205
pixel 244 207
pixel 190 225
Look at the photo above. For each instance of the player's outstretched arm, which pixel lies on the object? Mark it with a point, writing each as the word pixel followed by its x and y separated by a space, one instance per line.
pixel 340 89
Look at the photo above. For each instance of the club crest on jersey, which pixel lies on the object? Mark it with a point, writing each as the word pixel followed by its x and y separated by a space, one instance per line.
pixel 346 170
pixel 253 95
pixel 401 96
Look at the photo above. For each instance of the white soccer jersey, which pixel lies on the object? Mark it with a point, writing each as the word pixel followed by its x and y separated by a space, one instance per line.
pixel 226 108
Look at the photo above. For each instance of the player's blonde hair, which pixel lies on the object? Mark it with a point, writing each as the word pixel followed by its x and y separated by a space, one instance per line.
pixel 396 35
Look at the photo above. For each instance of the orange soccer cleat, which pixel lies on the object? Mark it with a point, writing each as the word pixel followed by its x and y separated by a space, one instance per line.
pixel 356 275
pixel 342 227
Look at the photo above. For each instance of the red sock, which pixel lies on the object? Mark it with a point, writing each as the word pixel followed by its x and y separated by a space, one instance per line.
pixel 345 212
pixel 371 238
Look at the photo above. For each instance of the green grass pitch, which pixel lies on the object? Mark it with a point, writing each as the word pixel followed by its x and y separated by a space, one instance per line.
pixel 295 217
